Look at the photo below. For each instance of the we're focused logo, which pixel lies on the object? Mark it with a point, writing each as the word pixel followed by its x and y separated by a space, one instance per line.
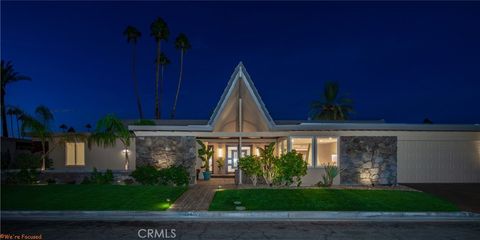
pixel 150 233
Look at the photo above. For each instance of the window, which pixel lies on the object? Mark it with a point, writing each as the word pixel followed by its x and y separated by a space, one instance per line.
pixel 326 151
pixel 75 153
pixel 303 145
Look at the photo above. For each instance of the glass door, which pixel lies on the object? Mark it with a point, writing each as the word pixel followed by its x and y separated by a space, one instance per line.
pixel 232 157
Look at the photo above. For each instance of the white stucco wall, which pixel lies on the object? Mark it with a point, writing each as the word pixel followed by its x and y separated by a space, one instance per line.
pixel 111 158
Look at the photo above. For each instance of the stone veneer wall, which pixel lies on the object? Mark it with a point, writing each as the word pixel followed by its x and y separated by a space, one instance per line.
pixel 163 152
pixel 368 160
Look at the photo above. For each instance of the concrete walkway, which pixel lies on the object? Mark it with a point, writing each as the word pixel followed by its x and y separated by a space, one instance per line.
pixel 199 196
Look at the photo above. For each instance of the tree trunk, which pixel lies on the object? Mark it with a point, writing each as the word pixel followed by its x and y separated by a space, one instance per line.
pixel 44 155
pixel 18 128
pixel 11 125
pixel 178 86
pixel 135 81
pixel 158 111
pixel 126 159
pixel 4 115
pixel 161 85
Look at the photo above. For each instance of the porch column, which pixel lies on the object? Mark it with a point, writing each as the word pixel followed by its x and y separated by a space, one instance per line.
pixel 240 129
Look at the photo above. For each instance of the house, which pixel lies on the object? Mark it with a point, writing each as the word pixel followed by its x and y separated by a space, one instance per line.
pixel 367 152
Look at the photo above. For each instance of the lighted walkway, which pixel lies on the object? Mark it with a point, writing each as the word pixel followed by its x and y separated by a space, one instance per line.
pixel 199 196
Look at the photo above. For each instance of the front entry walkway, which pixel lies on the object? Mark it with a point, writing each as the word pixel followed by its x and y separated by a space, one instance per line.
pixel 199 196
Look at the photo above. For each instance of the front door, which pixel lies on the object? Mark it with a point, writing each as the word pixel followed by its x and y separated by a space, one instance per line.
pixel 232 157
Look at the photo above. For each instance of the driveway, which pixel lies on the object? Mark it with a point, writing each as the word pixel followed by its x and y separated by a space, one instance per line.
pixel 465 195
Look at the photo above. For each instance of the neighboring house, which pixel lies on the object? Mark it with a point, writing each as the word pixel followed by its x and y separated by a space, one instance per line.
pixel 367 152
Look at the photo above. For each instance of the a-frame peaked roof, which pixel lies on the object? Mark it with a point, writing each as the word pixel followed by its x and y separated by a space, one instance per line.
pixel 240 74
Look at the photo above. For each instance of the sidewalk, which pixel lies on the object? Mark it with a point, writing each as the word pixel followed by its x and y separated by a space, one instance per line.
pixel 242 216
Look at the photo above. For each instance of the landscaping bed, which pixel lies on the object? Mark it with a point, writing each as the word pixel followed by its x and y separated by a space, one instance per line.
pixel 89 197
pixel 325 199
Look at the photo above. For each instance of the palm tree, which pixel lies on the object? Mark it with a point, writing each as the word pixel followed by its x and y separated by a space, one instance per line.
pixel 18 115
pixel 11 112
pixel 39 127
pixel 64 127
pixel 88 127
pixel 331 106
pixel 8 76
pixel 164 61
pixel 109 129
pixel 44 114
pixel 132 35
pixel 159 30
pixel 182 44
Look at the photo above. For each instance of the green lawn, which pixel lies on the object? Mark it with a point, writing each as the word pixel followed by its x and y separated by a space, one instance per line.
pixel 328 200
pixel 89 197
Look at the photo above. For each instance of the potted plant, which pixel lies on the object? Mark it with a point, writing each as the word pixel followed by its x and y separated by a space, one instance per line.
pixel 205 153
pixel 220 162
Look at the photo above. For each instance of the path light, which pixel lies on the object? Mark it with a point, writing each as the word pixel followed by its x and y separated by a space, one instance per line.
pixel 219 187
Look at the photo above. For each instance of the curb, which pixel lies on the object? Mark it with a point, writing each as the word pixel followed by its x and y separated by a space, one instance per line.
pixel 238 216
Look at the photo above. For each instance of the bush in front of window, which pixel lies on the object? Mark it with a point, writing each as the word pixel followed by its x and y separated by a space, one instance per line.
pixel 251 166
pixel 291 168
pixel 331 171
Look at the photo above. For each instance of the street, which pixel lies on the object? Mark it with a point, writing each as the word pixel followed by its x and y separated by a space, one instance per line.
pixel 243 230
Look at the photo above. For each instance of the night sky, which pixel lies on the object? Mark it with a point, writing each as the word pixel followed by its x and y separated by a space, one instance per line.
pixel 400 62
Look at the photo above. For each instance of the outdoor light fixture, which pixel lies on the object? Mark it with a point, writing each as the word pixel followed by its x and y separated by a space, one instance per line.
pixel 125 151
pixel 220 152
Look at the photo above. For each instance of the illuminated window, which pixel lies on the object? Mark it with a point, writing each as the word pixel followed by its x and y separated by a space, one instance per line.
pixel 75 153
pixel 326 151
pixel 303 145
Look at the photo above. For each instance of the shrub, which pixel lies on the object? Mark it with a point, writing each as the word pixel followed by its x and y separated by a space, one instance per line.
pixel 145 175
pixel 268 162
pixel 331 171
pixel 51 181
pixel 26 176
pixel 251 166
pixel 27 161
pixel 128 181
pixel 174 175
pixel 99 177
pixel 291 168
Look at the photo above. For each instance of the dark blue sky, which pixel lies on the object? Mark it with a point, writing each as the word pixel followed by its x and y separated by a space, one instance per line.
pixel 400 62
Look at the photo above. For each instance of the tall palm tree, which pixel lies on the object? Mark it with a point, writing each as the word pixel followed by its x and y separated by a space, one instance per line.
pixel 132 35
pixel 183 45
pixel 11 113
pixel 164 61
pixel 159 30
pixel 8 76
pixel 109 129
pixel 331 106
pixel 18 112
